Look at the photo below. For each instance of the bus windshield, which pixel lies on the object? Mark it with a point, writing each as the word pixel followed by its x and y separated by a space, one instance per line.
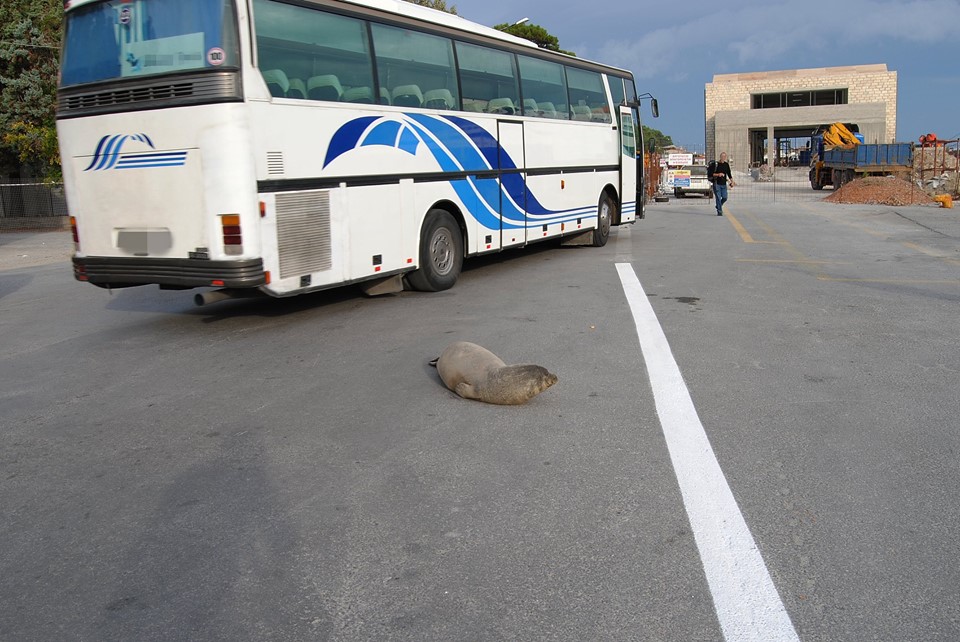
pixel 118 39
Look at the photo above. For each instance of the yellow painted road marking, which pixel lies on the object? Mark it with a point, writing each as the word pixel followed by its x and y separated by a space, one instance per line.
pixel 741 230
pixel 744 234
pixel 823 277
pixel 800 258
pixel 885 236
pixel 801 261
pixel 928 252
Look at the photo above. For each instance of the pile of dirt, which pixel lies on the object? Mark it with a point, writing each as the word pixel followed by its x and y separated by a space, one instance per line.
pixel 881 190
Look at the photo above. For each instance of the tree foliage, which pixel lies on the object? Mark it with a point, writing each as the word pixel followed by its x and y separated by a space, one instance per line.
pixel 440 5
pixel 654 139
pixel 29 47
pixel 534 33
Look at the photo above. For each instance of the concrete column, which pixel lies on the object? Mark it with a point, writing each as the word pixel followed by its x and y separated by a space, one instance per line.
pixel 771 147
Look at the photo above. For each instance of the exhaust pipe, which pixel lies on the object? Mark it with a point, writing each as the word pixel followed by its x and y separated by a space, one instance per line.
pixel 214 296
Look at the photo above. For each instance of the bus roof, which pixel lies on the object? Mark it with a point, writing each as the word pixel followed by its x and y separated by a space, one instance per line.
pixel 428 14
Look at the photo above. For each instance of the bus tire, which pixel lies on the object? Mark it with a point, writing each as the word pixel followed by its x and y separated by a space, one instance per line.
pixel 441 253
pixel 606 214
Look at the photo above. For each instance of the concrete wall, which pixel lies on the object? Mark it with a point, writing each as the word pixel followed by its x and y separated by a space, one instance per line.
pixel 871 97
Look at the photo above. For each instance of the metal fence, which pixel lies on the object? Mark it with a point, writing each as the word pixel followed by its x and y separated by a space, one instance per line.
pixel 26 207
pixel 935 172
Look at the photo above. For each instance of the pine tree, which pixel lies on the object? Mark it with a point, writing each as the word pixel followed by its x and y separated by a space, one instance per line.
pixel 440 5
pixel 29 49
pixel 534 33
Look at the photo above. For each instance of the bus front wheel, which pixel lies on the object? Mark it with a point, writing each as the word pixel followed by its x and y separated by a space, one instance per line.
pixel 441 253
pixel 606 212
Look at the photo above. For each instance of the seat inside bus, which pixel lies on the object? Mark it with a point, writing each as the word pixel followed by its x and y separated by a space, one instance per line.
pixel 407 96
pixel 277 82
pixel 582 112
pixel 358 95
pixel 297 89
pixel 501 106
pixel 326 87
pixel 438 99
pixel 547 110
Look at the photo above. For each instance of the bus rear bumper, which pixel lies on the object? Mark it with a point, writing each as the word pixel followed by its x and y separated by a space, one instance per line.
pixel 122 272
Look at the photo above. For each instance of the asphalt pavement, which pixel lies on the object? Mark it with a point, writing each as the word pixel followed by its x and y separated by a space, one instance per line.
pixel 294 469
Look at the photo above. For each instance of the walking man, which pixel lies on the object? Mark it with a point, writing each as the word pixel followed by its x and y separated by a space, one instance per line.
pixel 719 175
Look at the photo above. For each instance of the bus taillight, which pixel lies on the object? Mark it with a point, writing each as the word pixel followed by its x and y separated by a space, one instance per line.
pixel 232 236
pixel 76 235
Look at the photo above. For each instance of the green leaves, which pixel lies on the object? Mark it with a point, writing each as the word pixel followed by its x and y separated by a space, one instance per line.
pixel 654 139
pixel 30 32
pixel 440 5
pixel 535 34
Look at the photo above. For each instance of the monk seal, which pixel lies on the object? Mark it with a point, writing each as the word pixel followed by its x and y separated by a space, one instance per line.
pixel 473 372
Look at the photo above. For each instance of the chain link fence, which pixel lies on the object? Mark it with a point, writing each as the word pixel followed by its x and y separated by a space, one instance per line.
pixel 32 207
pixel 935 171
pixel 754 181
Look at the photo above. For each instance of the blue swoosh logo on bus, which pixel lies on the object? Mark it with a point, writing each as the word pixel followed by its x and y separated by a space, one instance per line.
pixel 458 145
pixel 108 154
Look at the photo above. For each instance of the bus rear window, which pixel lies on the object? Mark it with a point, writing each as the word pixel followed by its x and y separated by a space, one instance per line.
pixel 118 39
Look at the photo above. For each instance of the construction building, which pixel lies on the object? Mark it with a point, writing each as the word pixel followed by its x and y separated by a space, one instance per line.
pixel 747 114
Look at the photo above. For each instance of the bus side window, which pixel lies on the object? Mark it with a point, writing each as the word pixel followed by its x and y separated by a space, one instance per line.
pixel 547 82
pixel 587 95
pixel 616 94
pixel 318 53
pixel 413 65
pixel 488 78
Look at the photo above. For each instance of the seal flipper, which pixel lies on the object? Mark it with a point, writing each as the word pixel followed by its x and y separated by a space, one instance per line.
pixel 466 390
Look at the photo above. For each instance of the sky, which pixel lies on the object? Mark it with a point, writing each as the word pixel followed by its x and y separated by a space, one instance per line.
pixel 675 48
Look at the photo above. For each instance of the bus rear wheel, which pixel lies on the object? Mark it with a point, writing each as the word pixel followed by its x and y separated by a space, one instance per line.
pixel 606 213
pixel 441 253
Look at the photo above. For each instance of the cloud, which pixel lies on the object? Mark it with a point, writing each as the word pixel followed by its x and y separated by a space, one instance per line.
pixel 763 36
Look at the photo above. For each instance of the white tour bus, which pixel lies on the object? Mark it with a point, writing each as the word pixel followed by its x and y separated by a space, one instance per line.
pixel 288 146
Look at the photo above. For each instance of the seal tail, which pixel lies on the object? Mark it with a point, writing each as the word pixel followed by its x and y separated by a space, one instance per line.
pixel 433 362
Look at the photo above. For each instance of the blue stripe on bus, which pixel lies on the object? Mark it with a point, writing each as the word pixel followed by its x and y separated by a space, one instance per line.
pixel 458 145
pixel 385 133
pixel 347 137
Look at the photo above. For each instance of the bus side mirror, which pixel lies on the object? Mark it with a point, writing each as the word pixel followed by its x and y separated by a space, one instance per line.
pixel 654 107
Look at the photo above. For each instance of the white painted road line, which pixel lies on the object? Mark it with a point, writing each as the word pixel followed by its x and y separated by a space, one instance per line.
pixel 744 597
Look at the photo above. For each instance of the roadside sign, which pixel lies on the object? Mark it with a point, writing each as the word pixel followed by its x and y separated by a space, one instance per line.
pixel 675 160
pixel 681 178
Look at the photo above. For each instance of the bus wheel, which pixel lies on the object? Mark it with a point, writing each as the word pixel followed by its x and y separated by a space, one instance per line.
pixel 441 253
pixel 606 212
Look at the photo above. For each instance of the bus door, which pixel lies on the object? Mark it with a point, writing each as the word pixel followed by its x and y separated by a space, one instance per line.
pixel 513 183
pixel 630 204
